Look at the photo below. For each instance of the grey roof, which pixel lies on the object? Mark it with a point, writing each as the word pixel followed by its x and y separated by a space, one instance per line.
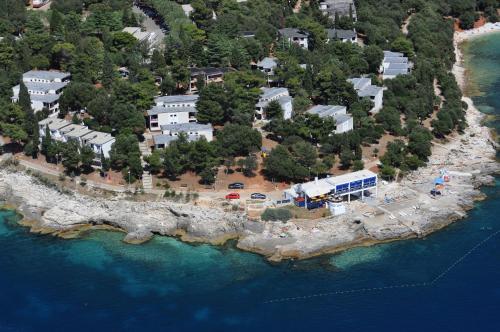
pixel 167 139
pixel 360 82
pixel 209 70
pixel 78 131
pixel 185 127
pixel 396 59
pixel 163 139
pixel 293 33
pixel 271 92
pixel 46 74
pixel 177 99
pixel 54 123
pixel 370 91
pixel 45 86
pixel 72 127
pixel 392 54
pixel 340 34
pixel 98 138
pixel 397 66
pixel 162 109
pixel 326 110
pixel 395 72
pixel 267 62
pixel 341 118
pixel 48 98
pixel 285 99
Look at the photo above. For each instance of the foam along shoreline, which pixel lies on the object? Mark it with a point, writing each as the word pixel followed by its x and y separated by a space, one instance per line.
pixel 462 36
pixel 469 158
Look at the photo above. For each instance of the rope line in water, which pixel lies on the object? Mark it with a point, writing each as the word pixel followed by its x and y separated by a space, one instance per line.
pixel 407 285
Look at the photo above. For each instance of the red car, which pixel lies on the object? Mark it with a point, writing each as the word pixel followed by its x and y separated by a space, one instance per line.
pixel 233 196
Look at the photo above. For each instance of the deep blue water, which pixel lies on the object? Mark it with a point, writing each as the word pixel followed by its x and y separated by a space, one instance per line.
pixel 99 283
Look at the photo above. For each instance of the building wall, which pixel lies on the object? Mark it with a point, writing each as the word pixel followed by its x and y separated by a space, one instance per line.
pixel 171 118
pixel 345 127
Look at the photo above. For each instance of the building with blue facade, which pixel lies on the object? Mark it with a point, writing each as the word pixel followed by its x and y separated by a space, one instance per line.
pixel 318 193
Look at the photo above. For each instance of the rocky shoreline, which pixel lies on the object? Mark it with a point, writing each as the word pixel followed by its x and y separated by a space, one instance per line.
pixel 411 212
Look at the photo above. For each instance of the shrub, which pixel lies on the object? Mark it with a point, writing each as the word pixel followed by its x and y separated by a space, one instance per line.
pixel 276 214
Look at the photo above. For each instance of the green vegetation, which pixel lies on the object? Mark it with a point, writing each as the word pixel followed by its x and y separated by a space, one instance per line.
pixel 86 39
pixel 276 214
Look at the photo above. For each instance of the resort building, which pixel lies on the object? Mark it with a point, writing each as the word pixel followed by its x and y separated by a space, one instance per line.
pixel 341 8
pixel 45 88
pixel 267 66
pixel 39 3
pixel 365 89
pixel 141 36
pixel 172 110
pixel 345 36
pixel 193 131
pixel 394 64
pixel 343 121
pixel 64 131
pixel 281 95
pixel 187 9
pixel 318 193
pixel 295 36
pixel 209 75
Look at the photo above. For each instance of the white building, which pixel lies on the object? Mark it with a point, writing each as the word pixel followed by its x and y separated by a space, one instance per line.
pixel 318 193
pixel 339 7
pixel 394 64
pixel 345 36
pixel 141 36
pixel 296 36
pixel 64 131
pixel 193 131
pixel 172 110
pixel 281 95
pixel 39 3
pixel 343 121
pixel 365 89
pixel 187 9
pixel 45 88
pixel 267 66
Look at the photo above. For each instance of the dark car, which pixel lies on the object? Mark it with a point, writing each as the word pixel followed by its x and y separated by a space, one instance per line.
pixel 258 196
pixel 236 185
pixel 435 192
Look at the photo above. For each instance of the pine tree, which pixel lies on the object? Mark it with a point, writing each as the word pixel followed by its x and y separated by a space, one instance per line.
pixel 108 71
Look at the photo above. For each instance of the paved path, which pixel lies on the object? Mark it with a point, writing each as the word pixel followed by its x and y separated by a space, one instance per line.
pixel 151 26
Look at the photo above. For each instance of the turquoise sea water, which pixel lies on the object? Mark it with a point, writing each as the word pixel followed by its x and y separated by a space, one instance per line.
pixel 99 283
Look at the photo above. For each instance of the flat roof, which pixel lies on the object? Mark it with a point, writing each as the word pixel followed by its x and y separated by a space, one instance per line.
pixel 191 126
pixel 326 110
pixel 398 59
pixel 370 91
pixel 393 54
pixel 162 109
pixel 360 82
pixel 397 66
pixel 326 185
pixel 271 92
pixel 293 33
pixel 97 137
pixel 45 86
pixel 394 72
pixel 46 74
pixel 209 70
pixel 341 118
pixel 77 132
pixel 177 99
pixel 54 123
pixel 340 34
pixel 267 62
pixel 48 98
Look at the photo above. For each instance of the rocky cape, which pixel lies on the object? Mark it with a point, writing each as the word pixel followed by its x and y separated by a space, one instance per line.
pixel 413 212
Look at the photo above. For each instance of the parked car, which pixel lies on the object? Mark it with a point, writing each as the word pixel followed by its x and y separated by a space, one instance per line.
pixel 236 185
pixel 233 196
pixel 258 196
